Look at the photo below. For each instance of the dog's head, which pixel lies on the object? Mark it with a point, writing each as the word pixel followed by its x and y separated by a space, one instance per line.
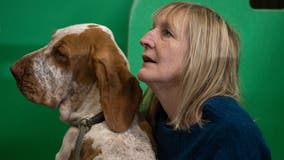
pixel 81 70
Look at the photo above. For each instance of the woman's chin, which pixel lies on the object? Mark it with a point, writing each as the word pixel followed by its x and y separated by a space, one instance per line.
pixel 141 75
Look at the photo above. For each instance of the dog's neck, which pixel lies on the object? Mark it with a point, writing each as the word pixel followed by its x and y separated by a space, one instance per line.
pixel 81 105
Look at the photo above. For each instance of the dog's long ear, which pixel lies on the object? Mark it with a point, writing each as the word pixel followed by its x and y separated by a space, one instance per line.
pixel 120 93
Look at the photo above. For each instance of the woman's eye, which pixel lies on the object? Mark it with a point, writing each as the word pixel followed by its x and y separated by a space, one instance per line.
pixel 167 33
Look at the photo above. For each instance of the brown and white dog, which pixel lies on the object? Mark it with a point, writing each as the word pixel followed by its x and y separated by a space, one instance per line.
pixel 83 72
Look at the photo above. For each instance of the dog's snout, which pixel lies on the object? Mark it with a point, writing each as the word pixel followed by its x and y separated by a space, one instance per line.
pixel 15 70
pixel 21 69
pixel 20 66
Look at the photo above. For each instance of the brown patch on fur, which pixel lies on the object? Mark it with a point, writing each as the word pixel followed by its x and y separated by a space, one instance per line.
pixel 92 25
pixel 145 126
pixel 73 51
pixel 120 93
pixel 87 151
pixel 99 59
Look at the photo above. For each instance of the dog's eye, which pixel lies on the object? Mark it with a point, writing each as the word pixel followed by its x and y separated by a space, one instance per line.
pixel 59 56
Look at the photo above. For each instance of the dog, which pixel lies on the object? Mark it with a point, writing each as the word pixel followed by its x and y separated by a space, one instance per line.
pixel 84 73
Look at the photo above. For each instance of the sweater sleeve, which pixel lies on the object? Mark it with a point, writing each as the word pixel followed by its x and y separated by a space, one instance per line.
pixel 240 143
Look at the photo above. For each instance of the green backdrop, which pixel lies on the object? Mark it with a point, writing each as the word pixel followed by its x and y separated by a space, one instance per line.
pixel 262 54
pixel 30 131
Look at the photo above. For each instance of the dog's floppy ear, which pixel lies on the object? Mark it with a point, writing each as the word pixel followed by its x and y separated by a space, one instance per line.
pixel 120 93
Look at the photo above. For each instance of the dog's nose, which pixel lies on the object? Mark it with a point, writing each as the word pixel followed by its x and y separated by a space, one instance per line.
pixel 17 72
pixel 20 68
pixel 14 70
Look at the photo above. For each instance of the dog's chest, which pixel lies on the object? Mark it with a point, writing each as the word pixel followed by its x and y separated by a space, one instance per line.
pixel 102 143
pixel 131 144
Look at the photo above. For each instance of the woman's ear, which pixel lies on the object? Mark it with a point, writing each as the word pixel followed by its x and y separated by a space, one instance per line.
pixel 120 93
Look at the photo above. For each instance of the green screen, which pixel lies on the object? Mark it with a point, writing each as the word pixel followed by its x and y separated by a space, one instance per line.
pixel 30 131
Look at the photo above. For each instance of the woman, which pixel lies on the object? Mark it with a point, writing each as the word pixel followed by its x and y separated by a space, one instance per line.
pixel 190 64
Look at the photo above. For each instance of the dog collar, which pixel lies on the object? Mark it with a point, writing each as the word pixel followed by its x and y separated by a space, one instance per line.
pixel 89 122
pixel 84 126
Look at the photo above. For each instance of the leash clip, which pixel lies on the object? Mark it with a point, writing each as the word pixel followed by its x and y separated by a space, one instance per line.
pixel 84 126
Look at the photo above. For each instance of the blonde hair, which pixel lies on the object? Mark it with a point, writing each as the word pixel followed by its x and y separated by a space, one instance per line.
pixel 210 65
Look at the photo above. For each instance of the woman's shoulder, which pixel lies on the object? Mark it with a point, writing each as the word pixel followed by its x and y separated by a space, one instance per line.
pixel 227 132
pixel 235 133
pixel 228 120
pixel 234 128
pixel 226 110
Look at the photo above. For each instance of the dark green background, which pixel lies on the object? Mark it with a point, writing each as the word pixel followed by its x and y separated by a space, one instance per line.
pixel 30 131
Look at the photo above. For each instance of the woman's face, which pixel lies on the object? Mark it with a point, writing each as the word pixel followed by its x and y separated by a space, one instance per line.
pixel 164 49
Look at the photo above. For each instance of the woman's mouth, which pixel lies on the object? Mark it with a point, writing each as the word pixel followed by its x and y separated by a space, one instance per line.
pixel 147 59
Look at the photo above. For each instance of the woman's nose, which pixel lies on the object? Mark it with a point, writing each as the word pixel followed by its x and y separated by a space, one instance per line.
pixel 148 40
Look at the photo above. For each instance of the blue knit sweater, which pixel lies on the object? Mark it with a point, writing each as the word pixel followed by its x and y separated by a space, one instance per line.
pixel 229 134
